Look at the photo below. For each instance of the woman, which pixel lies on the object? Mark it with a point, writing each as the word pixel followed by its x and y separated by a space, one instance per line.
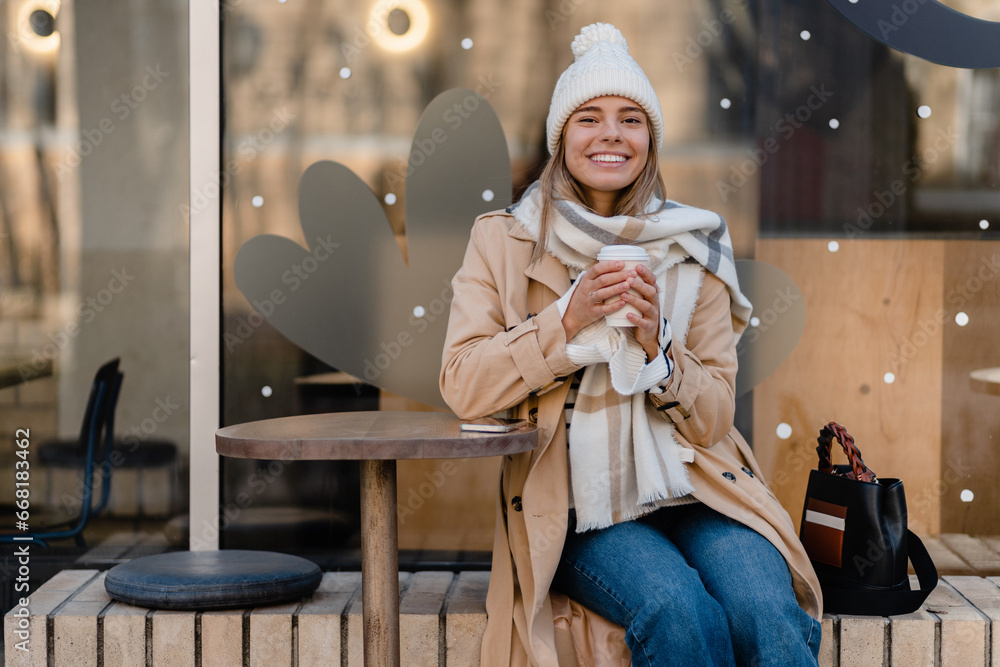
pixel 642 509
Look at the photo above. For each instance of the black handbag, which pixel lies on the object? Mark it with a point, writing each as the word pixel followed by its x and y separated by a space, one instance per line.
pixel 854 530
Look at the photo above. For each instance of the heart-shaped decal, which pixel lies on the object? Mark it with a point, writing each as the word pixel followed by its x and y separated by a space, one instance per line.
pixel 350 299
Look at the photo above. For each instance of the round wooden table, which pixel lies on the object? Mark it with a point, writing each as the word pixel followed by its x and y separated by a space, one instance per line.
pixel 377 440
pixel 986 380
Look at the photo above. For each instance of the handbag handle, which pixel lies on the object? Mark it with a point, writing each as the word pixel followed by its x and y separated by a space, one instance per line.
pixel 888 603
pixel 825 440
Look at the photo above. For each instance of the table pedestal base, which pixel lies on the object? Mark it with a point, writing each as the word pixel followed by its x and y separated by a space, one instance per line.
pixel 379 563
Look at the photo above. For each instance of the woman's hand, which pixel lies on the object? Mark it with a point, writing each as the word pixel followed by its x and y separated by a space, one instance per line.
pixel 647 325
pixel 606 280
pixel 598 283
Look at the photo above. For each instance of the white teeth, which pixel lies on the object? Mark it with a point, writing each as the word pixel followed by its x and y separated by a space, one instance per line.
pixel 608 158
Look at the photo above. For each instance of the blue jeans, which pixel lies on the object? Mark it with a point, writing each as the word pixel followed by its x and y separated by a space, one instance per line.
pixel 691 587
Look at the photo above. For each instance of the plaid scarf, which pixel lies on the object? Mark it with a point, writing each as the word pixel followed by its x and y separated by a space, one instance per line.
pixel 624 458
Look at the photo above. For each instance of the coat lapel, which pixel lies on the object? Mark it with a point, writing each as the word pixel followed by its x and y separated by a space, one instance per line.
pixel 548 270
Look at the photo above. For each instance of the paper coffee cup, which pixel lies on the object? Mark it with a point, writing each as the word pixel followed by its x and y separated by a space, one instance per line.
pixel 631 255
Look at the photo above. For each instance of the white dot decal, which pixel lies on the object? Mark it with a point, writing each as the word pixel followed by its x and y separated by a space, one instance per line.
pixel 725 103
pixel 889 378
pixel 805 35
pixel 345 72
pixel 488 195
pixel 924 111
pixel 834 123
pixel 257 201
pixel 961 319
pixel 784 431
pixel 419 311
pixel 265 391
pixel 466 43
pixel 833 246
pixel 967 496
pixel 390 199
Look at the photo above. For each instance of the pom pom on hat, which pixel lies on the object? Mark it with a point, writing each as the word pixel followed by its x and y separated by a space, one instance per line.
pixel 598 32
pixel 602 66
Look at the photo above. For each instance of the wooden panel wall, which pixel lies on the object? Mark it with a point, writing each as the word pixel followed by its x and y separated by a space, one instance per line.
pixel 867 307
pixel 970 422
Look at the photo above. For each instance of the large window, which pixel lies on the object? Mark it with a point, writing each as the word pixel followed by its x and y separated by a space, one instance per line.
pixel 94 252
pixel 870 177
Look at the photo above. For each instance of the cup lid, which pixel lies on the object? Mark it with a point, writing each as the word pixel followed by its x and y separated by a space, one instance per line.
pixel 633 252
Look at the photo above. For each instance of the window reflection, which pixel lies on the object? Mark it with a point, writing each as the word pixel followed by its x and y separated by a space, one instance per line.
pixel 825 151
pixel 93 247
pixel 979 153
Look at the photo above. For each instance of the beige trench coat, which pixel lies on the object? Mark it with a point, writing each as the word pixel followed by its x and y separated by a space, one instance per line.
pixel 505 349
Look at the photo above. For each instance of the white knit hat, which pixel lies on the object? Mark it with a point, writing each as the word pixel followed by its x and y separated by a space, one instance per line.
pixel 602 66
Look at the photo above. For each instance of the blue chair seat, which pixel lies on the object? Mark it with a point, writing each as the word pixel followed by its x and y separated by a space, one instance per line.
pixel 148 454
pixel 197 580
pixel 297 527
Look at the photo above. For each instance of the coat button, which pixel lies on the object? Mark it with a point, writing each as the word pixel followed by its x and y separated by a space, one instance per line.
pixel 730 476
pixel 748 471
pixel 516 502
pixel 533 415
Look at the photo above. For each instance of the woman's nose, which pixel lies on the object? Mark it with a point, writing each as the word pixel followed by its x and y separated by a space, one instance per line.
pixel 610 132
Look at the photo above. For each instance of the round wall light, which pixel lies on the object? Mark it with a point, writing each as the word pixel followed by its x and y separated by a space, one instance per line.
pixel 36 26
pixel 399 25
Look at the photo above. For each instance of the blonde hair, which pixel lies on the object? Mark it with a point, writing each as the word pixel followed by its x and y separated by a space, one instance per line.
pixel 557 183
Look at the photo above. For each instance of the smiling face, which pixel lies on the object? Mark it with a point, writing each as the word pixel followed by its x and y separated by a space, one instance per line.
pixel 606 142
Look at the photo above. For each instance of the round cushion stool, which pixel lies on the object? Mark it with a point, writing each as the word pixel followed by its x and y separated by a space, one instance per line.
pixel 193 580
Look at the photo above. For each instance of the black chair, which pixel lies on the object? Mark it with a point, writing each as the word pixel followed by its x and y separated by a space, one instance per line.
pixel 93 449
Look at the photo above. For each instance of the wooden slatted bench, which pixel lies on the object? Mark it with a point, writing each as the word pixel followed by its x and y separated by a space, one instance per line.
pixel 72 622
pixel 442 617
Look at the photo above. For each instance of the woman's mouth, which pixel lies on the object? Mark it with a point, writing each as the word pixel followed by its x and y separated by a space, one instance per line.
pixel 608 158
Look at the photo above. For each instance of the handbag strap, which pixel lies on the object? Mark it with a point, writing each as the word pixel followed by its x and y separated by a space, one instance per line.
pixel 825 440
pixel 888 603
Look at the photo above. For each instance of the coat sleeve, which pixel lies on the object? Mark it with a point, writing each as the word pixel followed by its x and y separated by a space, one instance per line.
pixel 701 396
pixel 493 359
